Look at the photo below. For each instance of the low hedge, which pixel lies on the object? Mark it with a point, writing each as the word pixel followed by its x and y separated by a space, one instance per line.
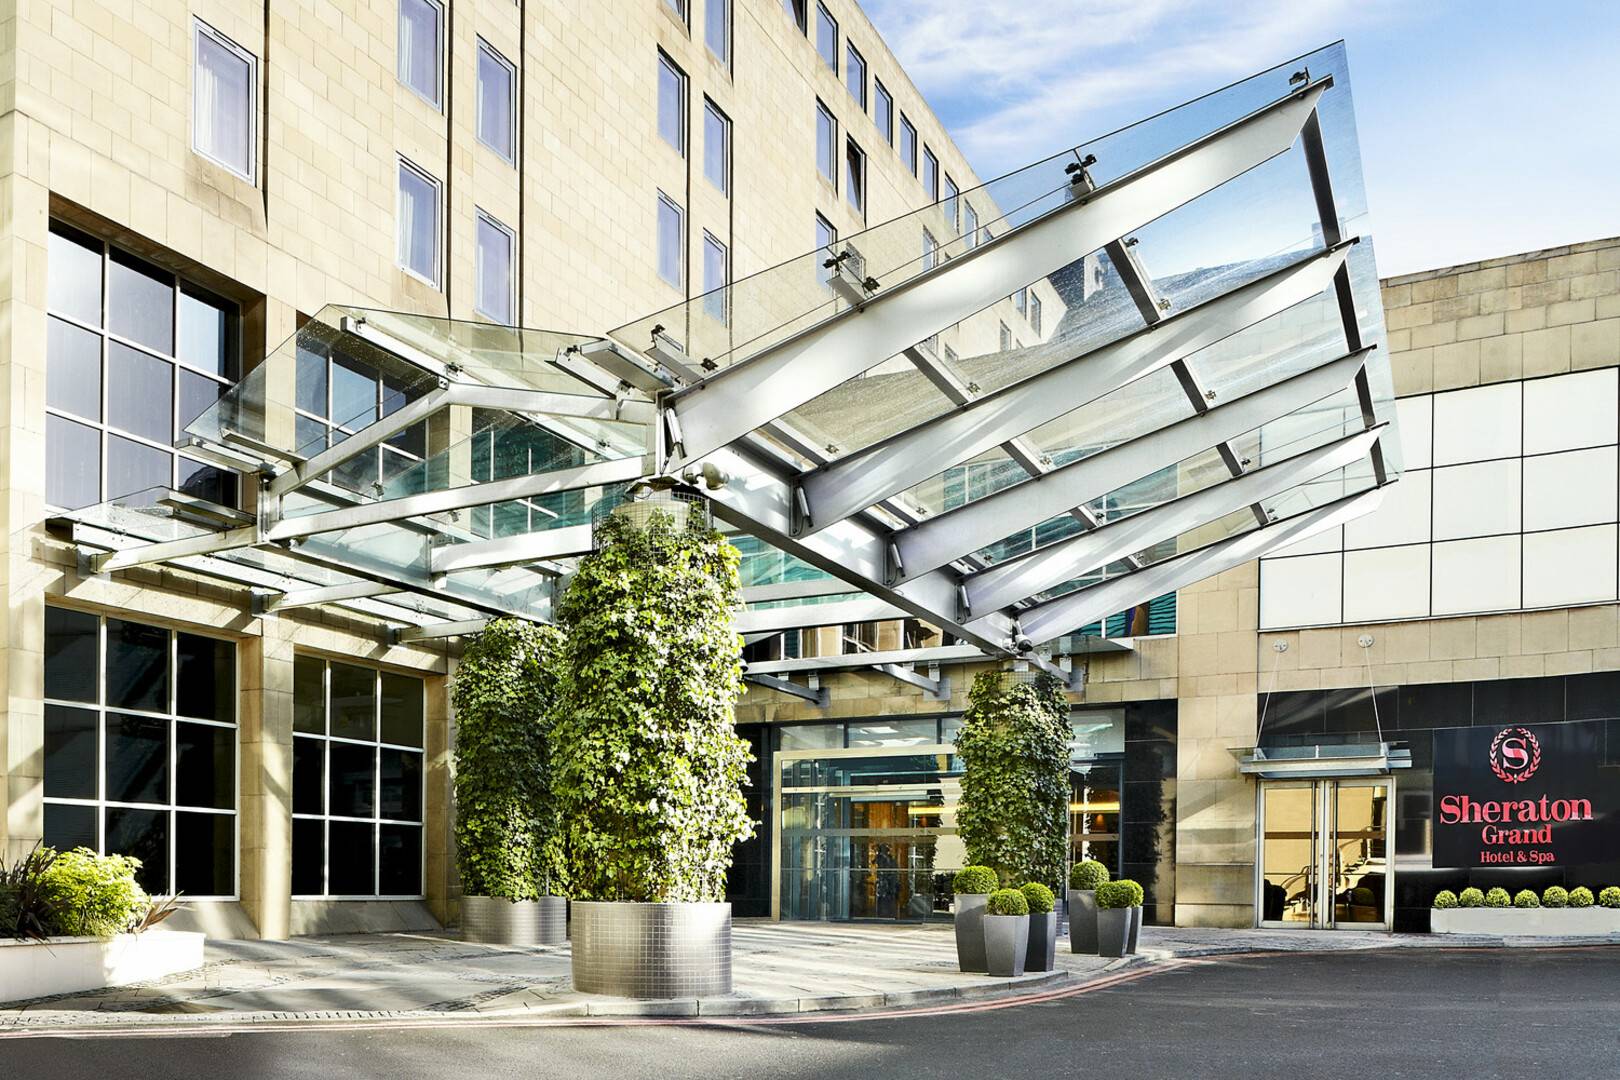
pixel 1526 898
pixel 1087 874
pixel 1444 900
pixel 1038 896
pixel 1006 902
pixel 975 881
pixel 1498 897
pixel 1470 898
pixel 1580 896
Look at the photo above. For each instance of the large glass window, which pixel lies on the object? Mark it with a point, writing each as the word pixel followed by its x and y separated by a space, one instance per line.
pixel 716 147
pixel 671 240
pixel 357 781
pixel 908 144
pixel 717 28
pixel 855 74
pixel 338 391
pixel 672 104
pixel 140 749
pixel 418 223
pixel 501 450
pixel 930 176
pixel 716 275
pixel 421 48
pixel 132 355
pixel 827 36
pixel 796 10
pixel 855 176
pixel 883 114
pixel 495 290
pixel 497 95
pixel 952 192
pixel 826 142
pixel 224 89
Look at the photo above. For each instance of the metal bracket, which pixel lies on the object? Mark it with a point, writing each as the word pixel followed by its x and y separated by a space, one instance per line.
pixel 933 687
pixel 815 693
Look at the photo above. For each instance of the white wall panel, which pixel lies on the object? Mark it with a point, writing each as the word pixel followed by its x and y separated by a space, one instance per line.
pixel 1476 500
pixel 1571 566
pixel 1303 591
pixel 1415 417
pixel 1403 518
pixel 1386 583
pixel 1570 411
pixel 1574 488
pixel 1476 575
pixel 1477 424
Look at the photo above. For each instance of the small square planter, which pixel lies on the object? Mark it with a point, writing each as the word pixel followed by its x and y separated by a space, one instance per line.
pixel 1136 929
pixel 969 920
pixel 1083 921
pixel 1042 954
pixel 1113 931
pixel 1006 944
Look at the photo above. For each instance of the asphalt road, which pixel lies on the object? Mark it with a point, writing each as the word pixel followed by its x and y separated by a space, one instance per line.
pixel 1367 1016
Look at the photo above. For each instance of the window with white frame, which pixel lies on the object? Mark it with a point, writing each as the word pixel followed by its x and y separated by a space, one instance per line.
pixel 1035 313
pixel 497 97
pixel 930 251
pixel 930 176
pixel 855 176
pixel 952 194
pixel 855 73
pixel 883 112
pixel 671 103
pixel 418 222
pixel 826 242
pixel 421 48
pixel 671 240
pixel 827 36
pixel 716 147
pixel 141 749
pixel 970 225
pixel 224 92
pixel 717 28
pixel 358 777
pixel 1021 301
pixel 716 276
pixel 1006 338
pixel 908 144
pixel 826 143
pixel 495 291
pixel 133 354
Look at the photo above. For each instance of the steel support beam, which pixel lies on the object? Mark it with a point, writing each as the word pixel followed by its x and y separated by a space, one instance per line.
pixel 163 550
pixel 775 620
pixel 1045 568
pixel 951 535
pixel 793 590
pixel 815 695
pixel 430 631
pixel 352 447
pixel 933 687
pixel 530 547
pixel 547 403
pixel 896 464
pixel 742 397
pixel 326 594
pixel 938 654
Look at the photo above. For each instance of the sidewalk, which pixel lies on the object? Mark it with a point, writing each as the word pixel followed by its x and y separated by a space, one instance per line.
pixel 780 969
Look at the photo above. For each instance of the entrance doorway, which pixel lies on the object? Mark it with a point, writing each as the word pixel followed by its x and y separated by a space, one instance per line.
pixel 1325 856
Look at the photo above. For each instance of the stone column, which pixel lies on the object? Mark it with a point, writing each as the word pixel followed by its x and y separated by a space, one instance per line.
pixel 266 780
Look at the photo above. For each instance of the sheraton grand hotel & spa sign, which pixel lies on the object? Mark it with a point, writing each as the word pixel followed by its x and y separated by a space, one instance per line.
pixel 1530 795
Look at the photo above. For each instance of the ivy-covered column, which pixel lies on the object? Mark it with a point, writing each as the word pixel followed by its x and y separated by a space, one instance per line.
pixel 1014 745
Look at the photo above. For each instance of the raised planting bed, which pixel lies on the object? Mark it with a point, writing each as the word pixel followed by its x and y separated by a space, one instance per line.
pixel 71 965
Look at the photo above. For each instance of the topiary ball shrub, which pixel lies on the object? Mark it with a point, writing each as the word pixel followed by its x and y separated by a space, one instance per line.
pixel 1526 898
pixel 1498 897
pixel 1555 896
pixel 1114 894
pixel 974 881
pixel 1006 902
pixel 1444 900
pixel 1610 897
pixel 1362 896
pixel 1087 874
pixel 1470 897
pixel 93 895
pixel 1580 896
pixel 1039 897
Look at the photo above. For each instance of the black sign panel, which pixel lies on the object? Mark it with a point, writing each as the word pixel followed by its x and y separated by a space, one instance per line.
pixel 1529 795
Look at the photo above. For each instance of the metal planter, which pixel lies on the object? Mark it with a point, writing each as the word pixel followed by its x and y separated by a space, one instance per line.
pixel 969 920
pixel 1136 929
pixel 1042 953
pixel 1113 931
pixel 495 920
pixel 1083 921
pixel 661 951
pixel 1006 943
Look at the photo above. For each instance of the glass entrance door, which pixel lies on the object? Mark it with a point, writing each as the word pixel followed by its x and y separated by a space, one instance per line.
pixel 1325 853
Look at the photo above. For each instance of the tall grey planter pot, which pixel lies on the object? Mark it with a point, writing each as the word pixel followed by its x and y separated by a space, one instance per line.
pixel 1083 921
pixel 969 920
pixel 495 920
pixel 1006 943
pixel 1113 931
pixel 1136 929
pixel 1042 954
pixel 638 950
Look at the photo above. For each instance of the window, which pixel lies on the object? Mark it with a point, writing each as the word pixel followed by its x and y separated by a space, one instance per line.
pixel 140 749
pixel 717 28
pixel 132 356
pixel 716 275
pixel 1035 313
pixel 884 114
pixel 357 787
pixel 716 147
pixel 908 144
pixel 826 141
pixel 494 288
pixel 855 73
pixel 224 89
pixel 970 225
pixel 930 251
pixel 672 104
pixel 826 242
pixel 796 10
pixel 930 176
pixel 671 240
pixel 1021 301
pixel 951 194
pixel 497 90
pixel 338 390
pixel 421 46
pixel 827 36
pixel 679 8
pixel 504 447
pixel 418 223
pixel 855 176
pixel 1006 337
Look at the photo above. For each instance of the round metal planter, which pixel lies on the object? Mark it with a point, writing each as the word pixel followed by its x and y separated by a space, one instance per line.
pixel 494 920
pixel 1083 921
pixel 969 920
pixel 653 951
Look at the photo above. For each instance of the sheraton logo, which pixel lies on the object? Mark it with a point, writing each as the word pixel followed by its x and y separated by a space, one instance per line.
pixel 1515 755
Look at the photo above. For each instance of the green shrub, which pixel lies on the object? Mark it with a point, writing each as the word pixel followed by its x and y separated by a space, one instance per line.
pixel 1580 896
pixel 504 816
pixel 25 910
pixel 1526 898
pixel 1444 900
pixel 1135 892
pixel 974 881
pixel 1006 902
pixel 1363 896
pixel 1555 896
pixel 1498 897
pixel 1123 893
pixel 1470 897
pixel 94 895
pixel 1040 898
pixel 1610 897
pixel 1013 814
pixel 1087 874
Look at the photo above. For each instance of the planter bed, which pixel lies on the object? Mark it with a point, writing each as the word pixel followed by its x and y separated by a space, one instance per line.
pixel 1530 922
pixel 70 965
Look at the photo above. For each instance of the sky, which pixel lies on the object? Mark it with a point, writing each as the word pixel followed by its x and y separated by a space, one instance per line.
pixel 1486 128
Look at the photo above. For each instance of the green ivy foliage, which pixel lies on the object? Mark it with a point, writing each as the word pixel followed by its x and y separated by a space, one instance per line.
pixel 1006 902
pixel 1013 815
pixel 502 693
pixel 647 768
